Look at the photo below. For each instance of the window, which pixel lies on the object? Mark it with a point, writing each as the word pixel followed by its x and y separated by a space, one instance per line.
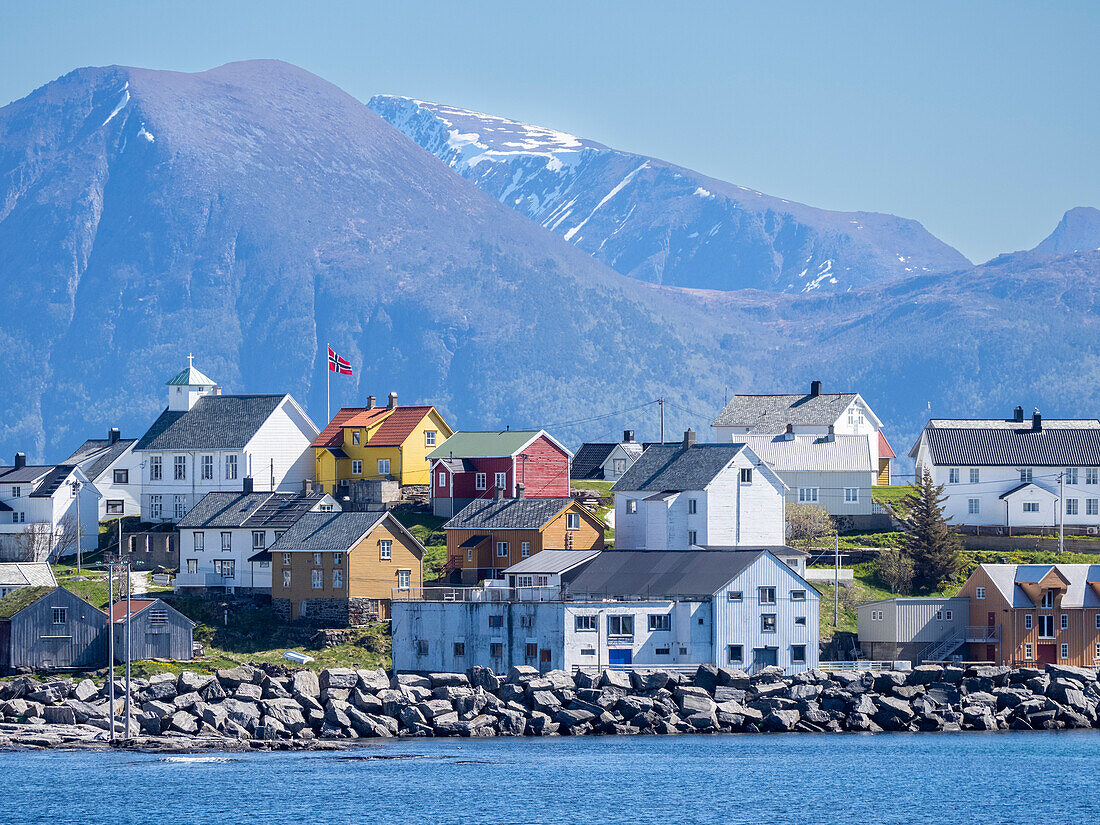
pixel 975 475
pixel 1064 621
pixel 1092 506
pixel 1031 507
pixel 199 540
pixel 632 506
pixel 122 476
pixel 318 579
pixel 421 647
pixel 979 592
pixel 1071 506
pixel 1098 621
pixel 798 654
pixel 460 648
pixel 502 549
pixel 531 650
pixel 734 596
pixel 735 654
pixel 693 506
pixel 939 615
pixel 500 480
pixel 807 495
pixel 948 614
pixel 620 625
pixel 1071 475
pixel 317 559
pixel 525 549
pixel 1025 475
pixel 851 495
pixel 572 521
pixel 800 620
pixel 230 467
pixel 225 567
pixel 1064 651
pixel 469 554
pixel 385 549
pixel 115 507
pixel 156 508
pixel 16 492
pixel 156 470
pixel 661 651
pixel 524 581
pixel 357 467
pixel 337 579
pixel 18 518
pixel 660 621
pixel 767 623
pixel 227 541
pixel 798 595
pixel 496 621
pixel 746 475
pixel 60 615
pixel 286 578
pixel 259 539
pixel 692 538
pixel 479 481
pixel 618 466
pixel 1048 600
pixel 496 650
pixel 403 577
pixel 383 466
pixel 429 438
pixel 337 559
pixel 207 468
pixel 179 464
pixel 973 506
pixel 585 622
pixel 1092 475
pixel 766 595
pixel 286 558
pixel 355 438
pixel 1046 627
pixel 441 478
pixel 181 506
pixel 953 475
pixel 192 566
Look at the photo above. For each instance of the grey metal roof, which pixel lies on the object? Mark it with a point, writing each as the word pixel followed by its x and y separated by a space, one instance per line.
pixel 665 467
pixel 53 481
pixel 458 465
pixel 660 573
pixel 1014 447
pixel 329 532
pixel 778 550
pixel 216 422
pixel 26 574
pixel 1021 487
pixel 1079 592
pixel 772 413
pixel 588 462
pixel 552 562
pixel 97 454
pixel 265 509
pixel 507 514
pixel 813 453
pixel 25 474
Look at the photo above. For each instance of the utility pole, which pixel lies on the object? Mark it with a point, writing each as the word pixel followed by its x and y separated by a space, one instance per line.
pixel 126 710
pixel 661 401
pixel 836 582
pixel 1062 511
pixel 111 650
pixel 76 494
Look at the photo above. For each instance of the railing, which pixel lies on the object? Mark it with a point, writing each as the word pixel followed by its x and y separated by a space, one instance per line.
pixel 204 579
pixel 868 666
pixel 939 650
pixel 983 633
pixel 477 594
pixel 594 669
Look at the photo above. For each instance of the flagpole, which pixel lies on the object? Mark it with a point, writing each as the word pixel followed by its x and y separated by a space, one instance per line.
pixel 328 388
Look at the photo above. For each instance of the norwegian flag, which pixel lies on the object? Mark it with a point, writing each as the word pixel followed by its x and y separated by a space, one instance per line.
pixel 338 364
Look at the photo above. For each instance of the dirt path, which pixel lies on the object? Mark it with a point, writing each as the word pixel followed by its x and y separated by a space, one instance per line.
pixel 140 583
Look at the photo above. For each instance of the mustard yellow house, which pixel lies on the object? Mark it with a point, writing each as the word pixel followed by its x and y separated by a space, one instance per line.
pixel 374 442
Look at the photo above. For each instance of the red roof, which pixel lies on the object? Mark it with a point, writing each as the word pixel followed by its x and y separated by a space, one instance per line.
pixel 398 426
pixel 333 434
pixel 884 448
pixel 118 612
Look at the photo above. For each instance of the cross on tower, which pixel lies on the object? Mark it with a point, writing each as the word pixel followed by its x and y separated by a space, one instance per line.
pixel 190 360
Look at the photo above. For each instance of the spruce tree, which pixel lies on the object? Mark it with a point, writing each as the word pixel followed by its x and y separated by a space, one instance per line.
pixel 932 543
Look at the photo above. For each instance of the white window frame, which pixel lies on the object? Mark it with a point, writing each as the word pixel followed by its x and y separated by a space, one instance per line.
pixel 1046 623
pixel 1063 621
pixel 1092 506
pixel 1092 475
pixel 198 541
pixel 769 623
pixel 620 624
pixel 261 537
pixel 659 622
pixel 979 592
pixel 383 466
pixel 1025 475
pixel 525 549
pixel 807 495
pixel 60 615
pixel 631 506
pixel 1072 507
pixel 1047 601
pixel 767 594
pixel 585 623
pixel 953 475
pixel 404 579
pixel 120 476
pixel 572 521
pixel 480 481
pixel 337 579
pixel 1031 507
pixel 192 566
pixel 180 503
pixel 385 550
pixel 973 506
pixel 179 468
pixel 355 438
pixel 1064 650
pixel 286 578
pixel 502 549
pixel 1071 475
pixel 156 468
pixel 500 480
pixel 1029 651
pixel 156 506
pixel 230 467
pixel 441 479
pixel 318 579
pixel 851 495
pixel 356 467
pixel 429 438
pixel 975 475
pixel 206 468
pixel 227 541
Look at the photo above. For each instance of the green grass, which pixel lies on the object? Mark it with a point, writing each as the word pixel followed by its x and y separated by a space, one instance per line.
pixel 604 487
pixel 893 496
pixel 90 584
pixel 428 530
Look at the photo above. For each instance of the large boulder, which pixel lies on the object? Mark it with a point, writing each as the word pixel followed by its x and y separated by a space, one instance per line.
pixel 245 714
pixel 448 680
pixel 85 691
pixel 59 715
pixel 183 722
pixel 781 720
pixel 306 683
pixel 373 681
pixel 1081 674
pixel 648 681
pixel 232 678
pixel 615 679
pixel 191 682
pixel 343 678
pixel 483 677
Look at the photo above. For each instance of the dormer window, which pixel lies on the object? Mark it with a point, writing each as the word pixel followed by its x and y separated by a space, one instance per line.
pixel 355 437
pixel 1048 600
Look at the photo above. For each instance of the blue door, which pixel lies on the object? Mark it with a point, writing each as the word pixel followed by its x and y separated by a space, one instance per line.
pixel 619 656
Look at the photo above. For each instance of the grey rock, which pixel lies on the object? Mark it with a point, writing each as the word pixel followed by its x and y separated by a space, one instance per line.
pixel 448 680
pixel 248 692
pixel 615 679
pixel 372 681
pixel 85 690
pixel 343 678
pixel 306 683
pixel 183 722
pixel 649 681
pixel 522 673
pixel 781 720
pixel 186 700
pixel 59 715
pixel 191 682
pixel 366 702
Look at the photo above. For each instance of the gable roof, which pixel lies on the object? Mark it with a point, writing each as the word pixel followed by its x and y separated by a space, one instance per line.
pixel 884 448
pixel 772 413
pixel 507 514
pixel 99 454
pixel 1028 486
pixel 813 453
pixel 191 377
pixel 26 574
pixel 588 462
pixel 25 474
pixel 333 433
pixel 216 422
pixel 1080 592
pixel 53 481
pixel 138 606
pixel 22 598
pixel 670 467
pixel 398 426
pixel 661 573
pixel 264 509
pixel 328 532
pixel 487 444
pixel 553 562
pixel 1013 446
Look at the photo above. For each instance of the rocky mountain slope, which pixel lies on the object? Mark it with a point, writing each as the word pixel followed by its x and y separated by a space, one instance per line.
pixel 662 223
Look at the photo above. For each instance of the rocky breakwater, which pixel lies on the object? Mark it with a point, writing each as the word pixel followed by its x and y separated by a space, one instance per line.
pixel 249 707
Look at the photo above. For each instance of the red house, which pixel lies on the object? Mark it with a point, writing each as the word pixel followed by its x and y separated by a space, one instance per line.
pixel 506 464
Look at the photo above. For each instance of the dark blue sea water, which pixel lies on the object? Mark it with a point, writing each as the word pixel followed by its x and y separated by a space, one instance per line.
pixel 975 779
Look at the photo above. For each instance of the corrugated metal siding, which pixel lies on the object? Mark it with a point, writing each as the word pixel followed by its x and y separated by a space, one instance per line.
pixel 1023 448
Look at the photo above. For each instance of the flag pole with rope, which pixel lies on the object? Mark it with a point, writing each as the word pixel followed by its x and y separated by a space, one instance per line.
pixel 328 386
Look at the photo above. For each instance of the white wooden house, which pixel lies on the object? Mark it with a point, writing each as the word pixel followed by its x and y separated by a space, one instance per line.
pixel 38 511
pixel 606 461
pixel 110 464
pixel 208 442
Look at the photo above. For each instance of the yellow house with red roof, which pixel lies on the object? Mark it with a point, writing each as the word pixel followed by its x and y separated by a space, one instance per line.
pixel 375 442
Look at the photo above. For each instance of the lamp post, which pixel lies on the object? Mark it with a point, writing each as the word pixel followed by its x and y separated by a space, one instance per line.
pixel 77 486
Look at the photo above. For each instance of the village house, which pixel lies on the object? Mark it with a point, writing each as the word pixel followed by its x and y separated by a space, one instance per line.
pixel 606 461
pixel 110 464
pixel 17 575
pixel 541 574
pixel 621 609
pixel 816 413
pixel 225 538
pixel 915 629
pixel 685 495
pixel 50 628
pixel 208 442
pixel 509 463
pixel 1015 472
pixel 38 511
pixel 378 443
pixel 157 631
pixel 489 535
pixel 341 569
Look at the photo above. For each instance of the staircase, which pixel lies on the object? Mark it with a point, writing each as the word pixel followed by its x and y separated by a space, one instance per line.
pixel 940 649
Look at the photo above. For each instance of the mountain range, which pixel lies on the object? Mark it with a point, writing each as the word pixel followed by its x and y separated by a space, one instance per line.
pixel 254 213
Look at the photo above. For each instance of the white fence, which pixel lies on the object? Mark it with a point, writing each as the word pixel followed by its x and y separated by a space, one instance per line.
pixel 865 666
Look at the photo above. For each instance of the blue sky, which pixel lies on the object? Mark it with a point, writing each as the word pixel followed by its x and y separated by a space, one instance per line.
pixel 979 119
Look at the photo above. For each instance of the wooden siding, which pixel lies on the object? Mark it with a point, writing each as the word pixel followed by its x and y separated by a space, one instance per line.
pixel 883 476
pixel 148 641
pixel 545 471
pixel 34 641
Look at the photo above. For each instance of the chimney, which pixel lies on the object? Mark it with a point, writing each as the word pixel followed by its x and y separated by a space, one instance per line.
pixel 815 389
pixel 628 436
pixel 689 438
pixel 519 490
pixel 246 485
pixel 1036 422
pixel 1018 415
pixel 789 434
pixel 393 401
pixel 113 435
pixel 832 434
pixel 307 487
pixel 497 494
pixel 20 461
pixel 370 402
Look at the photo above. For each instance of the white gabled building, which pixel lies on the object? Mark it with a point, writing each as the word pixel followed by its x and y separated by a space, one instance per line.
pixel 38 511
pixel 679 496
pixel 1015 472
pixel 208 442
pixel 606 461
pixel 113 468
pixel 816 413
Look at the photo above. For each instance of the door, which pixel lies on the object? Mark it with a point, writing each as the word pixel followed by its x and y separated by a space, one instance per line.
pixel 620 656
pixel 764 657
pixel 544 660
pixel 1046 654
pixel 159 645
pixel 991 619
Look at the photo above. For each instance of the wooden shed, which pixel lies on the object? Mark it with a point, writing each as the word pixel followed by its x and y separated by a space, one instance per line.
pixel 48 628
pixel 157 631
